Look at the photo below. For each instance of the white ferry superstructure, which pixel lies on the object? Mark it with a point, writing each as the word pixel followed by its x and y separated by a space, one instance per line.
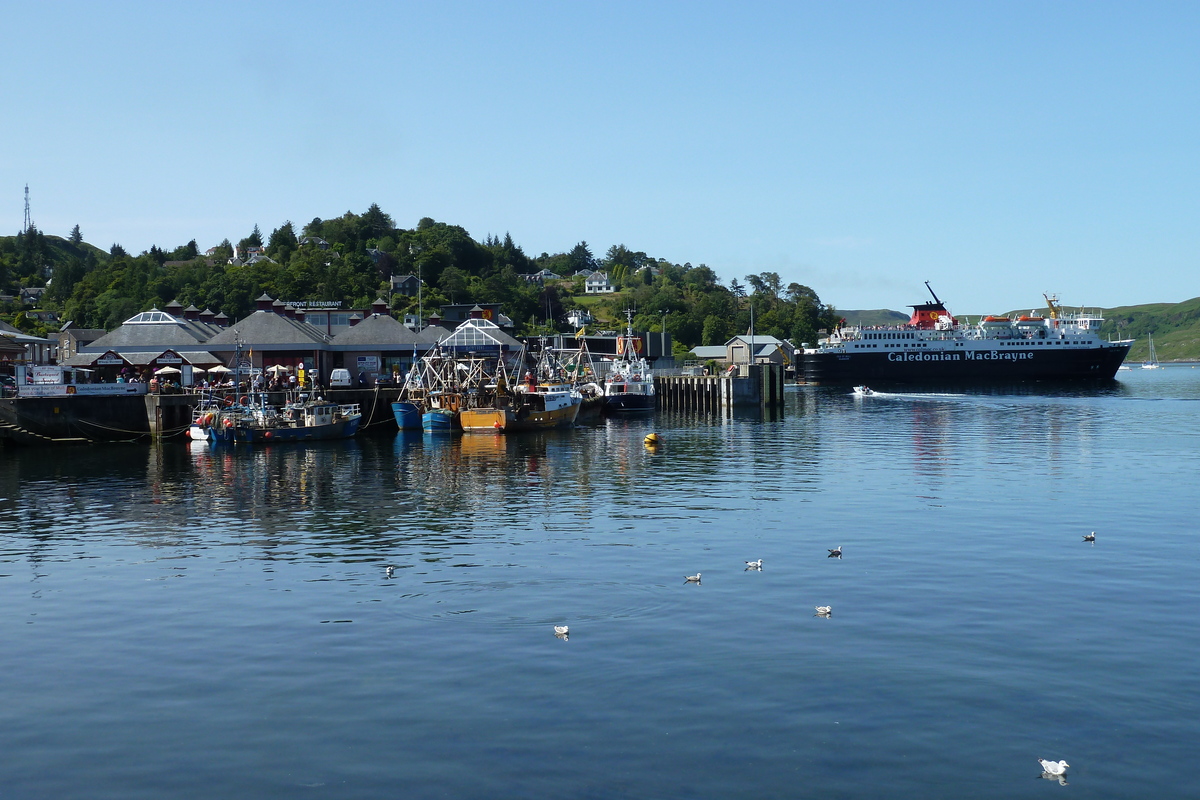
pixel 935 347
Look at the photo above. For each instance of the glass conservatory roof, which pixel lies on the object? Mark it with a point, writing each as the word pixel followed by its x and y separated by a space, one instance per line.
pixel 475 334
pixel 152 317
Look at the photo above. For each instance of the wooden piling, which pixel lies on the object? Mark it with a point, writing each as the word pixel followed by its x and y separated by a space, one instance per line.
pixel 721 394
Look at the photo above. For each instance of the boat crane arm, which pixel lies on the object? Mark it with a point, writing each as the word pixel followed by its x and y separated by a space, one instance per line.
pixel 1052 302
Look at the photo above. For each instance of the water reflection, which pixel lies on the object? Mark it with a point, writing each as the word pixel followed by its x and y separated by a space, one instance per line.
pixel 236 606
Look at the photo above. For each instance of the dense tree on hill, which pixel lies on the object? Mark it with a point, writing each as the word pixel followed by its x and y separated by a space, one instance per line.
pixel 375 223
pixel 581 257
pixel 185 252
pixel 98 290
pixel 32 255
pixel 253 240
pixel 283 243
pixel 223 252
pixel 76 235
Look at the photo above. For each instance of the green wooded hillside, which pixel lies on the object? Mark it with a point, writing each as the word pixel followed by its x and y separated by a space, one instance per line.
pixel 1175 326
pixel 352 257
pixel 879 316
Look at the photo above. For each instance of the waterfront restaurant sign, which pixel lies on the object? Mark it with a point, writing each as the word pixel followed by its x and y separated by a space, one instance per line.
pixel 306 304
pixel 109 359
pixel 169 357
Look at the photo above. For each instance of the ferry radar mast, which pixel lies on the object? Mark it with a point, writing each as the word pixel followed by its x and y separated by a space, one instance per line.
pixel 935 297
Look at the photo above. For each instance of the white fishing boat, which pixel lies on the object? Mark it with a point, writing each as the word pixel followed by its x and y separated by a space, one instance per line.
pixel 629 386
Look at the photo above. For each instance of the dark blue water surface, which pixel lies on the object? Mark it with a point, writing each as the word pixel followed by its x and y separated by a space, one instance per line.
pixel 180 621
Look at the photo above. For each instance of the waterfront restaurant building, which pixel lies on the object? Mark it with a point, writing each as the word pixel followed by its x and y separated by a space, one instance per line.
pixel 274 334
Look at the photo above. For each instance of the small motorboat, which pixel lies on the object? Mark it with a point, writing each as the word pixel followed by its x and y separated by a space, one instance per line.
pixel 863 391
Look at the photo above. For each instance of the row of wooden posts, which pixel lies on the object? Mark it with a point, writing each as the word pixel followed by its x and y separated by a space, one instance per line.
pixel 748 387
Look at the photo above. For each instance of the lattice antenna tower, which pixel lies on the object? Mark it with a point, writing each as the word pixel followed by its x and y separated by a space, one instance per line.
pixel 28 223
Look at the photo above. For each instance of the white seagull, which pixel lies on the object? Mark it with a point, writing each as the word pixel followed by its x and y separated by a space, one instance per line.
pixel 824 611
pixel 390 570
pixel 692 578
pixel 836 552
pixel 1053 767
pixel 754 564
pixel 1089 537
pixel 561 630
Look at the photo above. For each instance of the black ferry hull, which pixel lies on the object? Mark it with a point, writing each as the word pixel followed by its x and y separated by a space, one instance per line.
pixel 975 366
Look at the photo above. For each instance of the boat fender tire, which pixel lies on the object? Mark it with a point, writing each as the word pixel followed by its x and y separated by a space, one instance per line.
pixel 228 401
pixel 244 400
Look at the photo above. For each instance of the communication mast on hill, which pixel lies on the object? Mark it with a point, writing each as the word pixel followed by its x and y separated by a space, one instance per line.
pixel 28 223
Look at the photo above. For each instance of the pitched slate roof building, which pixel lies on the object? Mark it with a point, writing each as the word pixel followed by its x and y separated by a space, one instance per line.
pixel 275 333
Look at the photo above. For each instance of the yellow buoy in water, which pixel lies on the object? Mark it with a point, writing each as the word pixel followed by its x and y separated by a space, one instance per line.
pixel 652 440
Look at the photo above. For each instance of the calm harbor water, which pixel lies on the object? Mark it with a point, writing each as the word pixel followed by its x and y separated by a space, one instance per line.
pixel 180 621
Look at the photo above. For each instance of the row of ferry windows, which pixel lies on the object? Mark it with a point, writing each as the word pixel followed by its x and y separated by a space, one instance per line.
pixel 959 344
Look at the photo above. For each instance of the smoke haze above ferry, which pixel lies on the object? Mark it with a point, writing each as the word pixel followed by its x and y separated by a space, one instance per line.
pixel 996 151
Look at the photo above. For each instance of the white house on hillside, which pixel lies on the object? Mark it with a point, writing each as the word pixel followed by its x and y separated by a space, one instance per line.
pixel 597 283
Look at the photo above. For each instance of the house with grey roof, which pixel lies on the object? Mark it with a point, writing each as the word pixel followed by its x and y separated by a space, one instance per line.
pixel 71 338
pixel 767 350
pixel 36 350
pixel 406 285
pixel 153 331
pixel 379 345
pixel 714 352
pixel 597 283
pixel 272 334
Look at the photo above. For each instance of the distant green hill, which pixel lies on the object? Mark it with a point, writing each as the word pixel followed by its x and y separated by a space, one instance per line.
pixel 1176 329
pixel 880 316
pixel 58 248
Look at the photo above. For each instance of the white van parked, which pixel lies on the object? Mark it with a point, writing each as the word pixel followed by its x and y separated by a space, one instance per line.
pixel 339 378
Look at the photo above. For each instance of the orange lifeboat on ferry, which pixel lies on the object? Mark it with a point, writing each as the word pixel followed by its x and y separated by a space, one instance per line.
pixel 993 322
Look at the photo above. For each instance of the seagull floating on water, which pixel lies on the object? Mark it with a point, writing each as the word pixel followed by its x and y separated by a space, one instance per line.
pixel 824 611
pixel 836 552
pixel 390 570
pixel 754 564
pixel 561 630
pixel 692 578
pixel 1089 537
pixel 1053 767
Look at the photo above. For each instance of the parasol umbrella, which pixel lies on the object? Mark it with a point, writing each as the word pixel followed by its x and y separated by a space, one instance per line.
pixel 166 371
pixel 198 369
pixel 277 368
pixel 219 368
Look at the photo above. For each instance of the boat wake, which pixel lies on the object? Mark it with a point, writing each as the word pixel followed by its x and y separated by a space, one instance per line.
pixel 874 393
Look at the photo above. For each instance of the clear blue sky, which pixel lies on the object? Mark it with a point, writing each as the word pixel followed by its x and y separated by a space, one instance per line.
pixel 997 150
